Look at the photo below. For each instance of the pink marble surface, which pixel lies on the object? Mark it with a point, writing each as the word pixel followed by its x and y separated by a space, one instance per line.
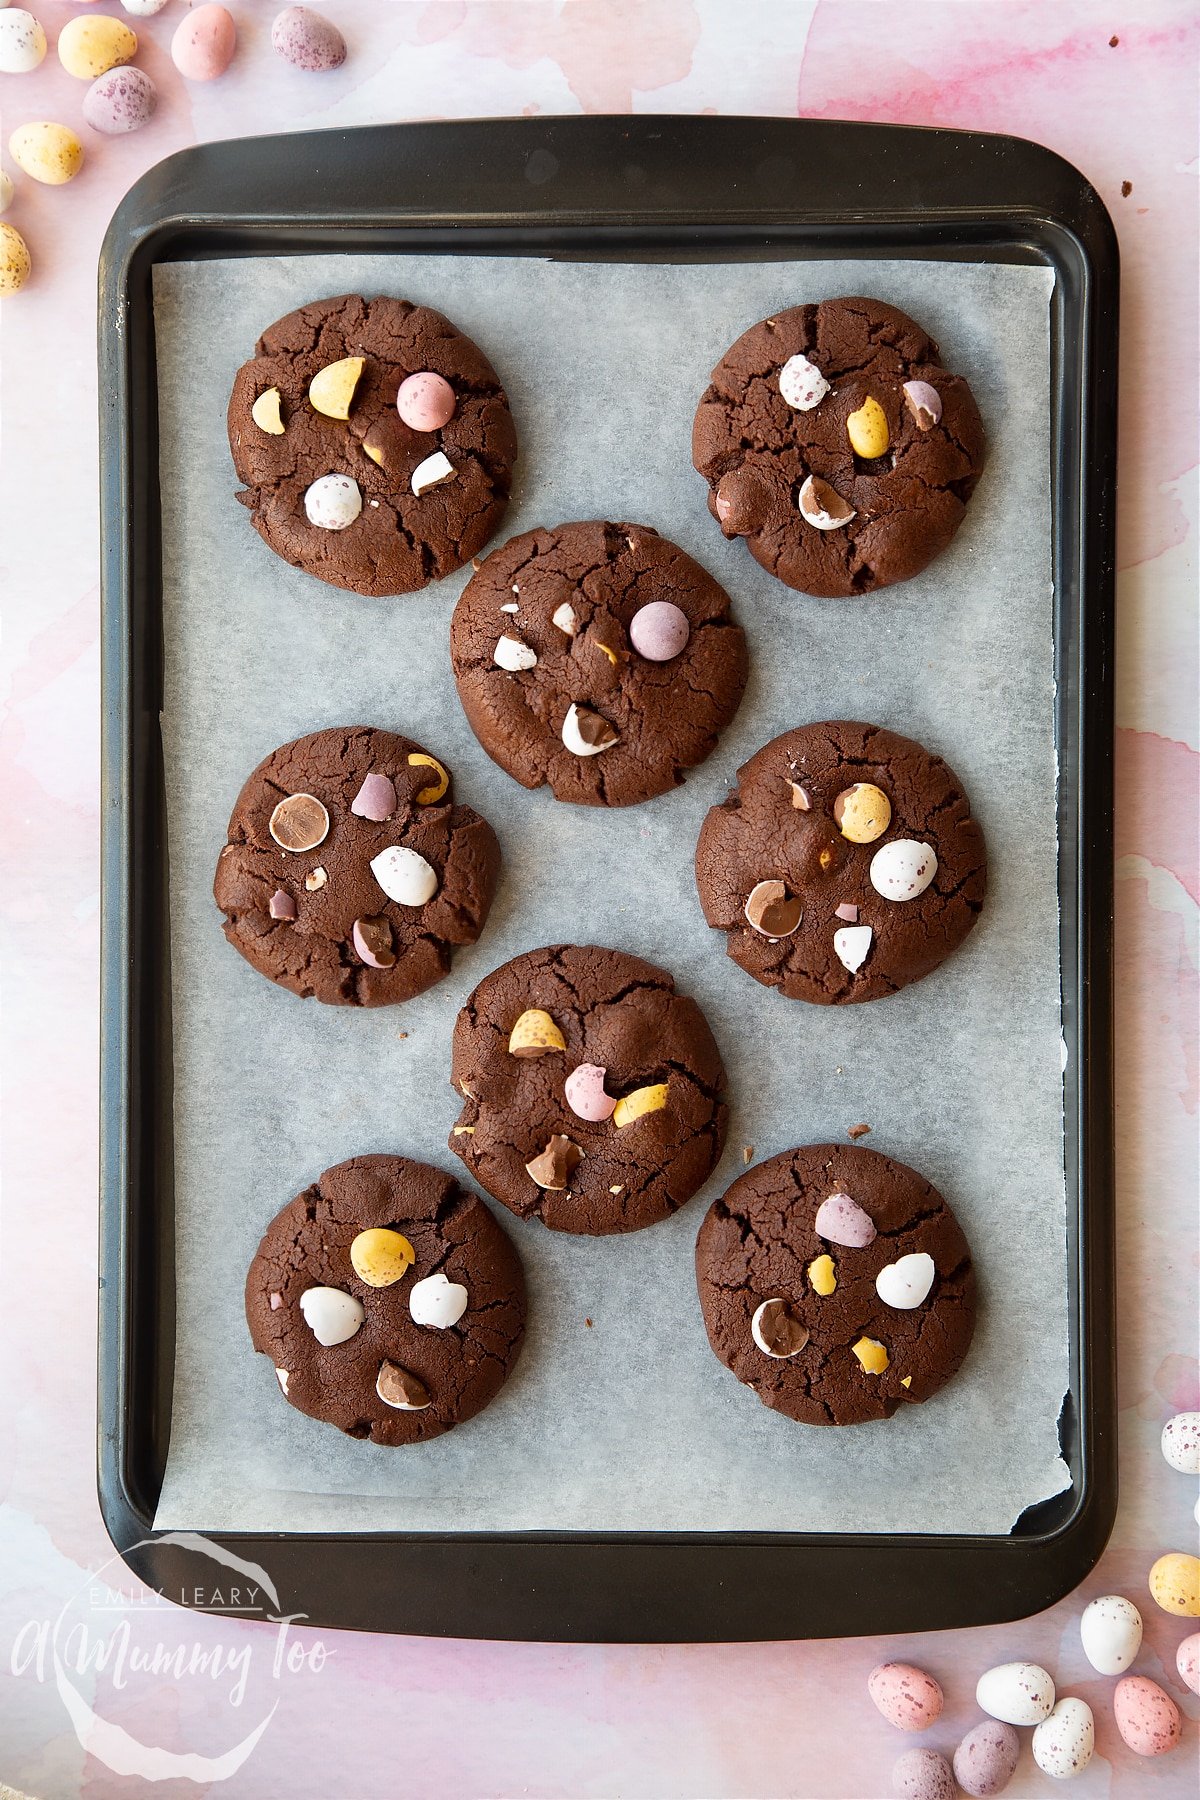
pixel 436 1718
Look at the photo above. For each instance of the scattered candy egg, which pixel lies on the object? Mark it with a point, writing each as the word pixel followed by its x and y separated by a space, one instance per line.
pixel 922 1775
pixel 143 9
pixel 851 945
pixel 585 1093
pixel 534 1034
pixel 331 1315
pixel 841 1220
pixel 1181 1442
pixel 1111 1630
pixel 772 911
pixel 907 1697
pixel 821 506
pixel 776 1329
pixel 986 1760
pixel 91 45
pixel 429 796
pixel 282 905
pixel 299 822
pixel 1063 1743
pixel 307 40
pixel 437 1301
pixel 1175 1584
pixel 867 430
pixel 331 390
pixel 872 1356
pixel 123 100
pixel 1019 1693
pixel 862 812
pixel 1187 1661
pixel 375 799
pixel 587 733
pixel 373 941
pixel 902 869
pixel 643 1100
pixel 802 384
pixel 425 401
pixel 401 1388
pixel 404 876
pixel 1147 1718
pixel 22 42
pixel 267 414
pixel 511 654
pixel 204 42
pixel 432 472
pixel 14 261
pixel 333 502
pixel 905 1283
pixel 381 1257
pixel 924 403
pixel 48 152
pixel 6 190
pixel 822 1276
pixel 659 631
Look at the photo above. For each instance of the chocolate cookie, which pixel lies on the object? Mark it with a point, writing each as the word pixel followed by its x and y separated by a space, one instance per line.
pixel 592 1090
pixel 390 1302
pixel 596 657
pixel 837 1284
pixel 350 874
pixel 844 865
pixel 375 442
pixel 834 442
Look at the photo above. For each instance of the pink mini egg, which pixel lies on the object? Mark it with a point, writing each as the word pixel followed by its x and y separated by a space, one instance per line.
pixel 425 401
pixel 659 631
pixel 1147 1719
pixel 922 1775
pixel 204 42
pixel 907 1697
pixel 307 40
pixel 121 100
pixel 1187 1661
pixel 585 1093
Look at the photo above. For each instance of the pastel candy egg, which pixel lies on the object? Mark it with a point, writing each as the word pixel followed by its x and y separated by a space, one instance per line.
pixel 143 9
pixel 1175 1584
pixel 22 42
pixel 1181 1442
pixel 404 875
pixel 204 42
pixel 1147 1719
pixel 6 190
pixel 1019 1693
pixel 802 384
pixel 1063 1743
pixel 425 401
pixel 375 799
pixel 49 153
pixel 381 1257
pixel 867 430
pixel 986 1760
pixel 585 1093
pixel 332 502
pixel 437 1302
pixel 659 631
pixel 14 261
pixel 1187 1661
pixel 907 1697
pixel 373 941
pixel 924 403
pixel 307 40
pixel 903 869
pixel 1111 1630
pixel 905 1283
pixel 841 1220
pixel 123 100
pixel 92 45
pixel 331 1315
pixel 862 812
pixel 922 1775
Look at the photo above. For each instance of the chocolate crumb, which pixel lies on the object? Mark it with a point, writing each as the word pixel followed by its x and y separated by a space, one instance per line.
pixel 1113 42
pixel 1126 189
pixel 588 1323
pixel 857 1131
pixel 748 1153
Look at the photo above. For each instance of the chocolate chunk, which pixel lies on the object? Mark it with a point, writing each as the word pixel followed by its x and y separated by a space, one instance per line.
pixel 556 1164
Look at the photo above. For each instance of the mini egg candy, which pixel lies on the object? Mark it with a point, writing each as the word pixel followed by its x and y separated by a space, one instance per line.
pixel 822 1276
pixel 89 46
pixel 307 40
pixel 401 1388
pixel 867 430
pixel 776 1329
pixel 1019 1693
pixel 143 9
pixel 534 1034
pixel 381 1257
pixel 905 1283
pixel 332 1315
pixel 659 631
pixel 299 822
pixel 204 42
pixel 643 1100
pixel 1063 1743
pixel 924 404
pixel 987 1758
pixel 1147 1718
pixel 821 506
pixel 333 502
pixel 1175 1584
pixel 431 473
pixel 585 1093
pixel 373 942
pixel 902 869
pixel 47 152
pixel 852 946
pixel 1111 1631
pixel 6 190
pixel 922 1775
pixel 514 655
pixel 1181 1442
pixel 376 798
pixel 841 1220
pixel 331 390
pixel 862 812
pixel 1187 1661
pixel 802 384
pixel 267 412
pixel 123 100
pixel 587 733
pixel 22 42
pixel 425 401
pixel 14 261
pixel 907 1697
pixel 404 875
pixel 437 1302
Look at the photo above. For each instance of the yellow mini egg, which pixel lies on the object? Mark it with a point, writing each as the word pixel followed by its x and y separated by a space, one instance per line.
pixel 867 430
pixel 534 1034
pixel 429 796
pixel 91 46
pixel 643 1100
pixel 381 1257
pixel 822 1275
pixel 14 261
pixel 871 1354
pixel 1175 1584
pixel 47 152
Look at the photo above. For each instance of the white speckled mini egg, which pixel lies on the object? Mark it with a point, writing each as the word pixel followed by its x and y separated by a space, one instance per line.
pixel 1111 1630
pixel 1063 1743
pixel 1181 1442
pixel 1020 1693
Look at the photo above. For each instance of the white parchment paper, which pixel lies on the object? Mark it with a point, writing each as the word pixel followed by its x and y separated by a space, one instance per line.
pixel 618 1416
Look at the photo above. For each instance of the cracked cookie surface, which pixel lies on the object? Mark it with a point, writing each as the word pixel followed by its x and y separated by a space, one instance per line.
pixel 666 714
pixel 613 1012
pixel 759 833
pixel 755 451
pixel 331 886
pixel 399 541
pixel 461 1366
pixel 759 1243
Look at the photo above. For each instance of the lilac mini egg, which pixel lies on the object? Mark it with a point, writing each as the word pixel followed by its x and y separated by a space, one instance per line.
pixel 585 1093
pixel 659 631
pixel 922 1775
pixel 987 1758
pixel 425 401
pixel 121 100
pixel 308 40
pixel 841 1220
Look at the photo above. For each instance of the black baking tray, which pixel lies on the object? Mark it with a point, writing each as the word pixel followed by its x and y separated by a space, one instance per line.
pixel 641 189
